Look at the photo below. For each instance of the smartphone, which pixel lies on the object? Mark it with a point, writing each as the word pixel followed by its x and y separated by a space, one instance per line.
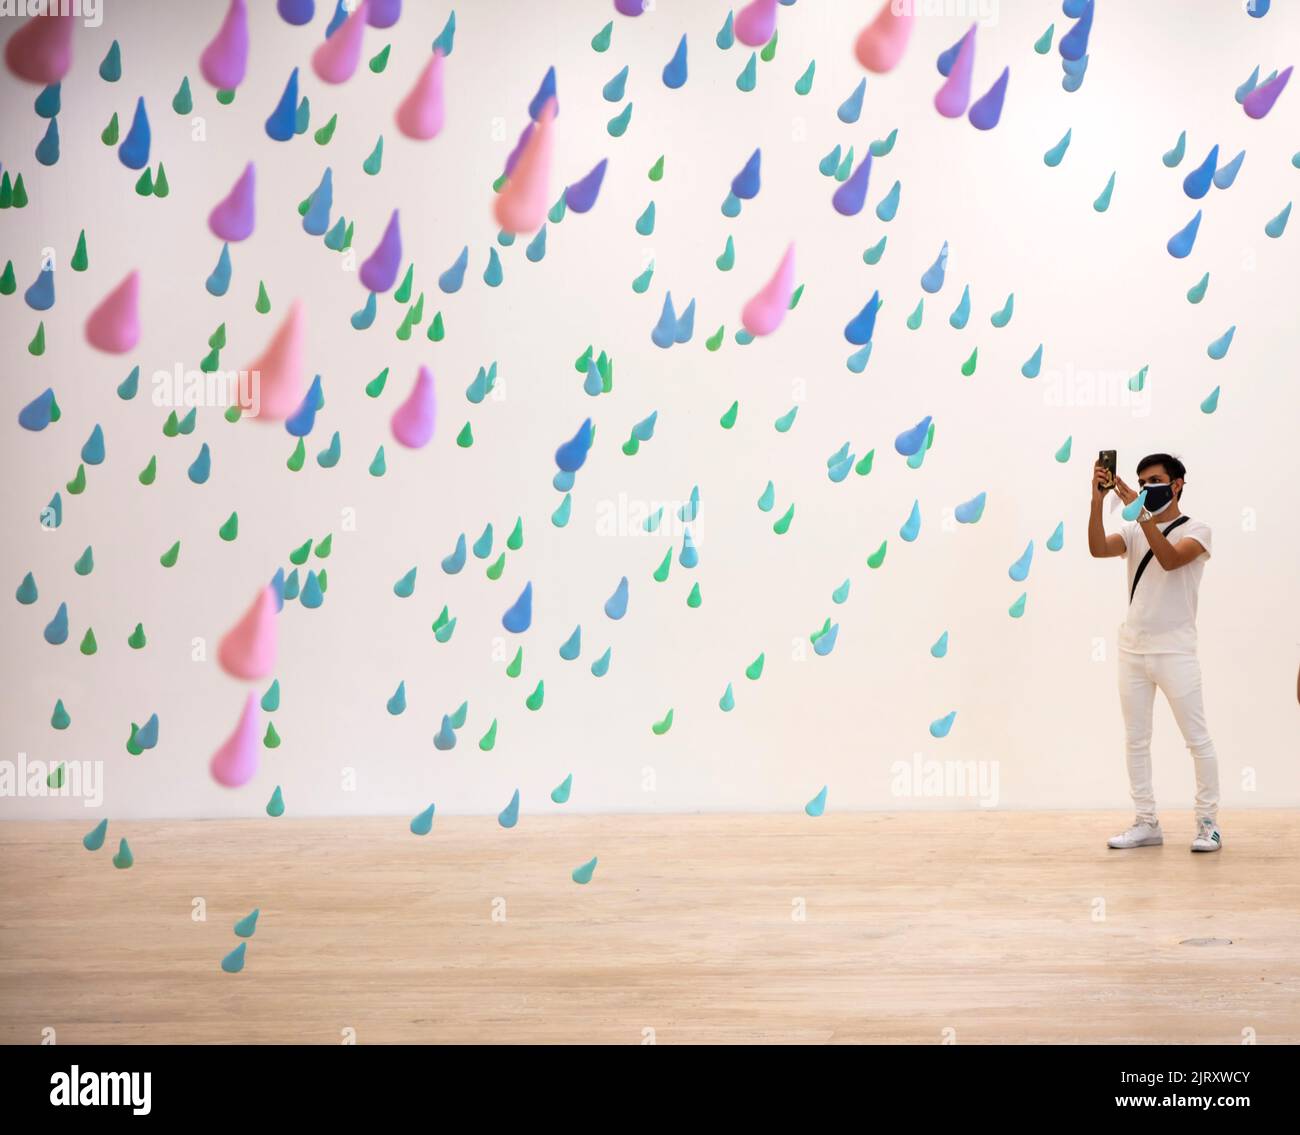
pixel 1107 460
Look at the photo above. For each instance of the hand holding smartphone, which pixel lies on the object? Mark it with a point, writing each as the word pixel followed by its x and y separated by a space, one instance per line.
pixel 1107 462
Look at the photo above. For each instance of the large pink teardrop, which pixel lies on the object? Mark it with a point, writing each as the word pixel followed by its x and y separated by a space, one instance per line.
pixel 41 50
pixel 276 376
pixel 235 763
pixel 225 59
pixel 248 649
pixel 756 22
pixel 414 419
pixel 881 45
pixel 423 111
pixel 336 59
pixel 521 205
pixel 764 313
pixel 114 326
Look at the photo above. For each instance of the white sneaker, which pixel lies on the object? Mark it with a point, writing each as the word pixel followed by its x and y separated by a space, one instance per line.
pixel 1143 833
pixel 1207 836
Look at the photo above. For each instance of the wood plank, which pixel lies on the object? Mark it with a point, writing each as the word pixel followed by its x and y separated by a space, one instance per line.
pixel 980 922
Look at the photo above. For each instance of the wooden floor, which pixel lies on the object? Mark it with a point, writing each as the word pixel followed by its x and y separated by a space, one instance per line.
pixel 1003 927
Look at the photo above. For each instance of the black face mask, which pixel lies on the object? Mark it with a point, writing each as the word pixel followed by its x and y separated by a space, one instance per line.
pixel 1158 497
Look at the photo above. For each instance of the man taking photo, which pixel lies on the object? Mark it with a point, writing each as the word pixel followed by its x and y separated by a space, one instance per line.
pixel 1165 552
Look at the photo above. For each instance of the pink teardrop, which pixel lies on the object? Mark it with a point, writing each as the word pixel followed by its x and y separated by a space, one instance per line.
pixel 225 59
pixel 41 50
pixel 235 763
pixel 336 59
pixel 248 649
pixel 881 45
pixel 764 313
pixel 756 23
pixel 413 420
pixel 521 205
pixel 423 111
pixel 114 326
pixel 275 378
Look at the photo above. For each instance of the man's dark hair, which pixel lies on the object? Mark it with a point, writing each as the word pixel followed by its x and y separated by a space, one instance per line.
pixel 1175 468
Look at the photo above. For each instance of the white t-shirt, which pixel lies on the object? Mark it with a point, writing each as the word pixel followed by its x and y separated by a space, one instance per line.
pixel 1162 617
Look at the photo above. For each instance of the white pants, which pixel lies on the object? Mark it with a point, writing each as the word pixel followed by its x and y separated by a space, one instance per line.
pixel 1178 676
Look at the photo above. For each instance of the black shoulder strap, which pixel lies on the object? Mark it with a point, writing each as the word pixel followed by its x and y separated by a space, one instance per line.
pixel 1147 558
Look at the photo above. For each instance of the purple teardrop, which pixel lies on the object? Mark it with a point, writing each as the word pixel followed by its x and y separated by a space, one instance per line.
pixel 383 13
pixel 380 268
pixel 232 219
pixel 581 195
pixel 519 149
pixel 850 196
pixel 987 109
pixel 1260 101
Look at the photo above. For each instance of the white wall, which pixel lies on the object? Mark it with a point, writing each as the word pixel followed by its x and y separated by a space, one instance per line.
pixel 1098 290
